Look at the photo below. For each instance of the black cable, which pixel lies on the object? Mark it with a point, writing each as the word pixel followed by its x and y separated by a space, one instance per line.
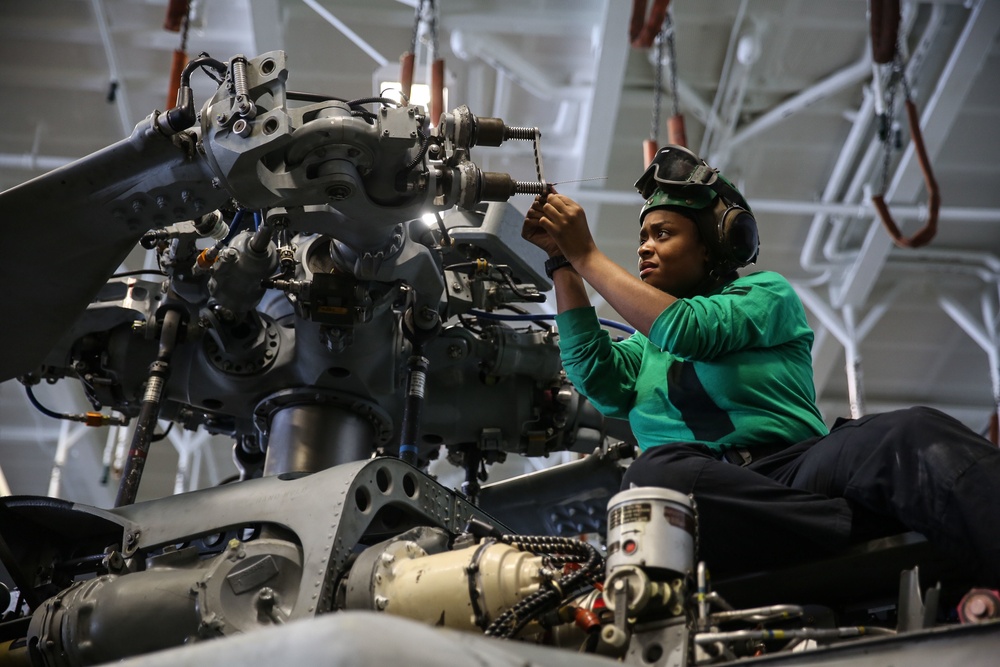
pixel 425 142
pixel 300 96
pixel 160 436
pixel 201 62
pixel 507 274
pixel 556 549
pixel 384 101
pixel 41 408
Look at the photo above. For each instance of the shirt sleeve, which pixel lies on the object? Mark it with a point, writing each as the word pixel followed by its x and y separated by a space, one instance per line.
pixel 602 370
pixel 760 310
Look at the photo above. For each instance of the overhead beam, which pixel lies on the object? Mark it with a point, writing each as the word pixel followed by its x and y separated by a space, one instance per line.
pixel 600 113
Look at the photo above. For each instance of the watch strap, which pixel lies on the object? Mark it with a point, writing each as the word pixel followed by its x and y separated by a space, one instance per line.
pixel 554 263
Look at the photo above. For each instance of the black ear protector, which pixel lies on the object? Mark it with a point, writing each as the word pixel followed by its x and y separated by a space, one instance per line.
pixel 736 235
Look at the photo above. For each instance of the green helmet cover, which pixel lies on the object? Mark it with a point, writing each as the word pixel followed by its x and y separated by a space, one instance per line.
pixel 663 199
pixel 695 197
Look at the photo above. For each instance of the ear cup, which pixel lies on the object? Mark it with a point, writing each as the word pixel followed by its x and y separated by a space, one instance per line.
pixel 738 240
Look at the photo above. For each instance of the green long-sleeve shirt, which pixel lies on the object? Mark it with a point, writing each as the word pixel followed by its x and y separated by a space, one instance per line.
pixel 730 368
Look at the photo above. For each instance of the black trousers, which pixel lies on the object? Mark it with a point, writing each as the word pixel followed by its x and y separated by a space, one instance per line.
pixel 915 469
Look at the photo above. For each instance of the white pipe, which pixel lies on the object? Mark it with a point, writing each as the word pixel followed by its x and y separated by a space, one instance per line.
pixel 808 257
pixel 121 97
pixel 348 33
pixel 962 318
pixel 849 76
pixel 984 334
pixel 852 355
pixel 4 486
pixel 993 354
pixel 823 312
pixel 734 32
pixel 67 439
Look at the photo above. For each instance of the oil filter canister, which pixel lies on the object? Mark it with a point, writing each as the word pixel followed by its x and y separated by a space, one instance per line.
pixel 651 528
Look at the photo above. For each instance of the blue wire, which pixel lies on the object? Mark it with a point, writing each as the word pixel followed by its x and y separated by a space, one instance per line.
pixel 235 227
pixel 543 318
pixel 257 219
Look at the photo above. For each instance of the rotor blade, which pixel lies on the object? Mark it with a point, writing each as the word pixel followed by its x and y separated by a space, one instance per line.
pixel 66 232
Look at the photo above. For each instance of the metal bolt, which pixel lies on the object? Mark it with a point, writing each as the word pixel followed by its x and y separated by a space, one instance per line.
pixel 387 559
pixel 381 602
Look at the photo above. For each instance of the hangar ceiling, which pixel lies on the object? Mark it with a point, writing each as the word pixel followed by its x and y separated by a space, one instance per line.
pixel 780 94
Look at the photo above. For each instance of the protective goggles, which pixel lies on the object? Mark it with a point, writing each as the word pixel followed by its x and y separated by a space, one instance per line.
pixel 676 169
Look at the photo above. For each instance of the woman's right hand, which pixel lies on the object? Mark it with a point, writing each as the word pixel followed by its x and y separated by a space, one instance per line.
pixel 534 233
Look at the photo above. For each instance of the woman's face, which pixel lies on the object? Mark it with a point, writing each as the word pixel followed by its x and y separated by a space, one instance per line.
pixel 672 256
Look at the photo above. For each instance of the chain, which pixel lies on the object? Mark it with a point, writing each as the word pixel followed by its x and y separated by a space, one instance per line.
pixel 432 5
pixel 416 25
pixel 890 114
pixel 654 130
pixel 184 30
pixel 668 30
pixel 537 143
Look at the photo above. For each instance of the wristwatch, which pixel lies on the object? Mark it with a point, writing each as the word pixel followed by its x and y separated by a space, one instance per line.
pixel 554 263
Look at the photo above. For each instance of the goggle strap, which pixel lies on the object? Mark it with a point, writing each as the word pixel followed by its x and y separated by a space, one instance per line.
pixel 730 195
pixel 703 175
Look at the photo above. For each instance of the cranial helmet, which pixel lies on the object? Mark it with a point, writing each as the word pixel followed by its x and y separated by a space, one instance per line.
pixel 677 178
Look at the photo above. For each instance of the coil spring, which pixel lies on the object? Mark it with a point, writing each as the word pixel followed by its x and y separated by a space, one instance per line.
pixel 530 187
pixel 240 86
pixel 519 133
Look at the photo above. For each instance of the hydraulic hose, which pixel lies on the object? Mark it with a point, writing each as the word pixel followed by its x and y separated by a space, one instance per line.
pixel 159 372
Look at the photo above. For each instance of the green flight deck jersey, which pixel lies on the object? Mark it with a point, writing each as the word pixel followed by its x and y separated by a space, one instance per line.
pixel 733 368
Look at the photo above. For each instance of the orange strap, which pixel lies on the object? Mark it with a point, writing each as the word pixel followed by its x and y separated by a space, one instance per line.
pixel 643 38
pixel 923 236
pixel 437 90
pixel 649 149
pixel 885 30
pixel 676 133
pixel 406 74
pixel 180 59
pixel 177 11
